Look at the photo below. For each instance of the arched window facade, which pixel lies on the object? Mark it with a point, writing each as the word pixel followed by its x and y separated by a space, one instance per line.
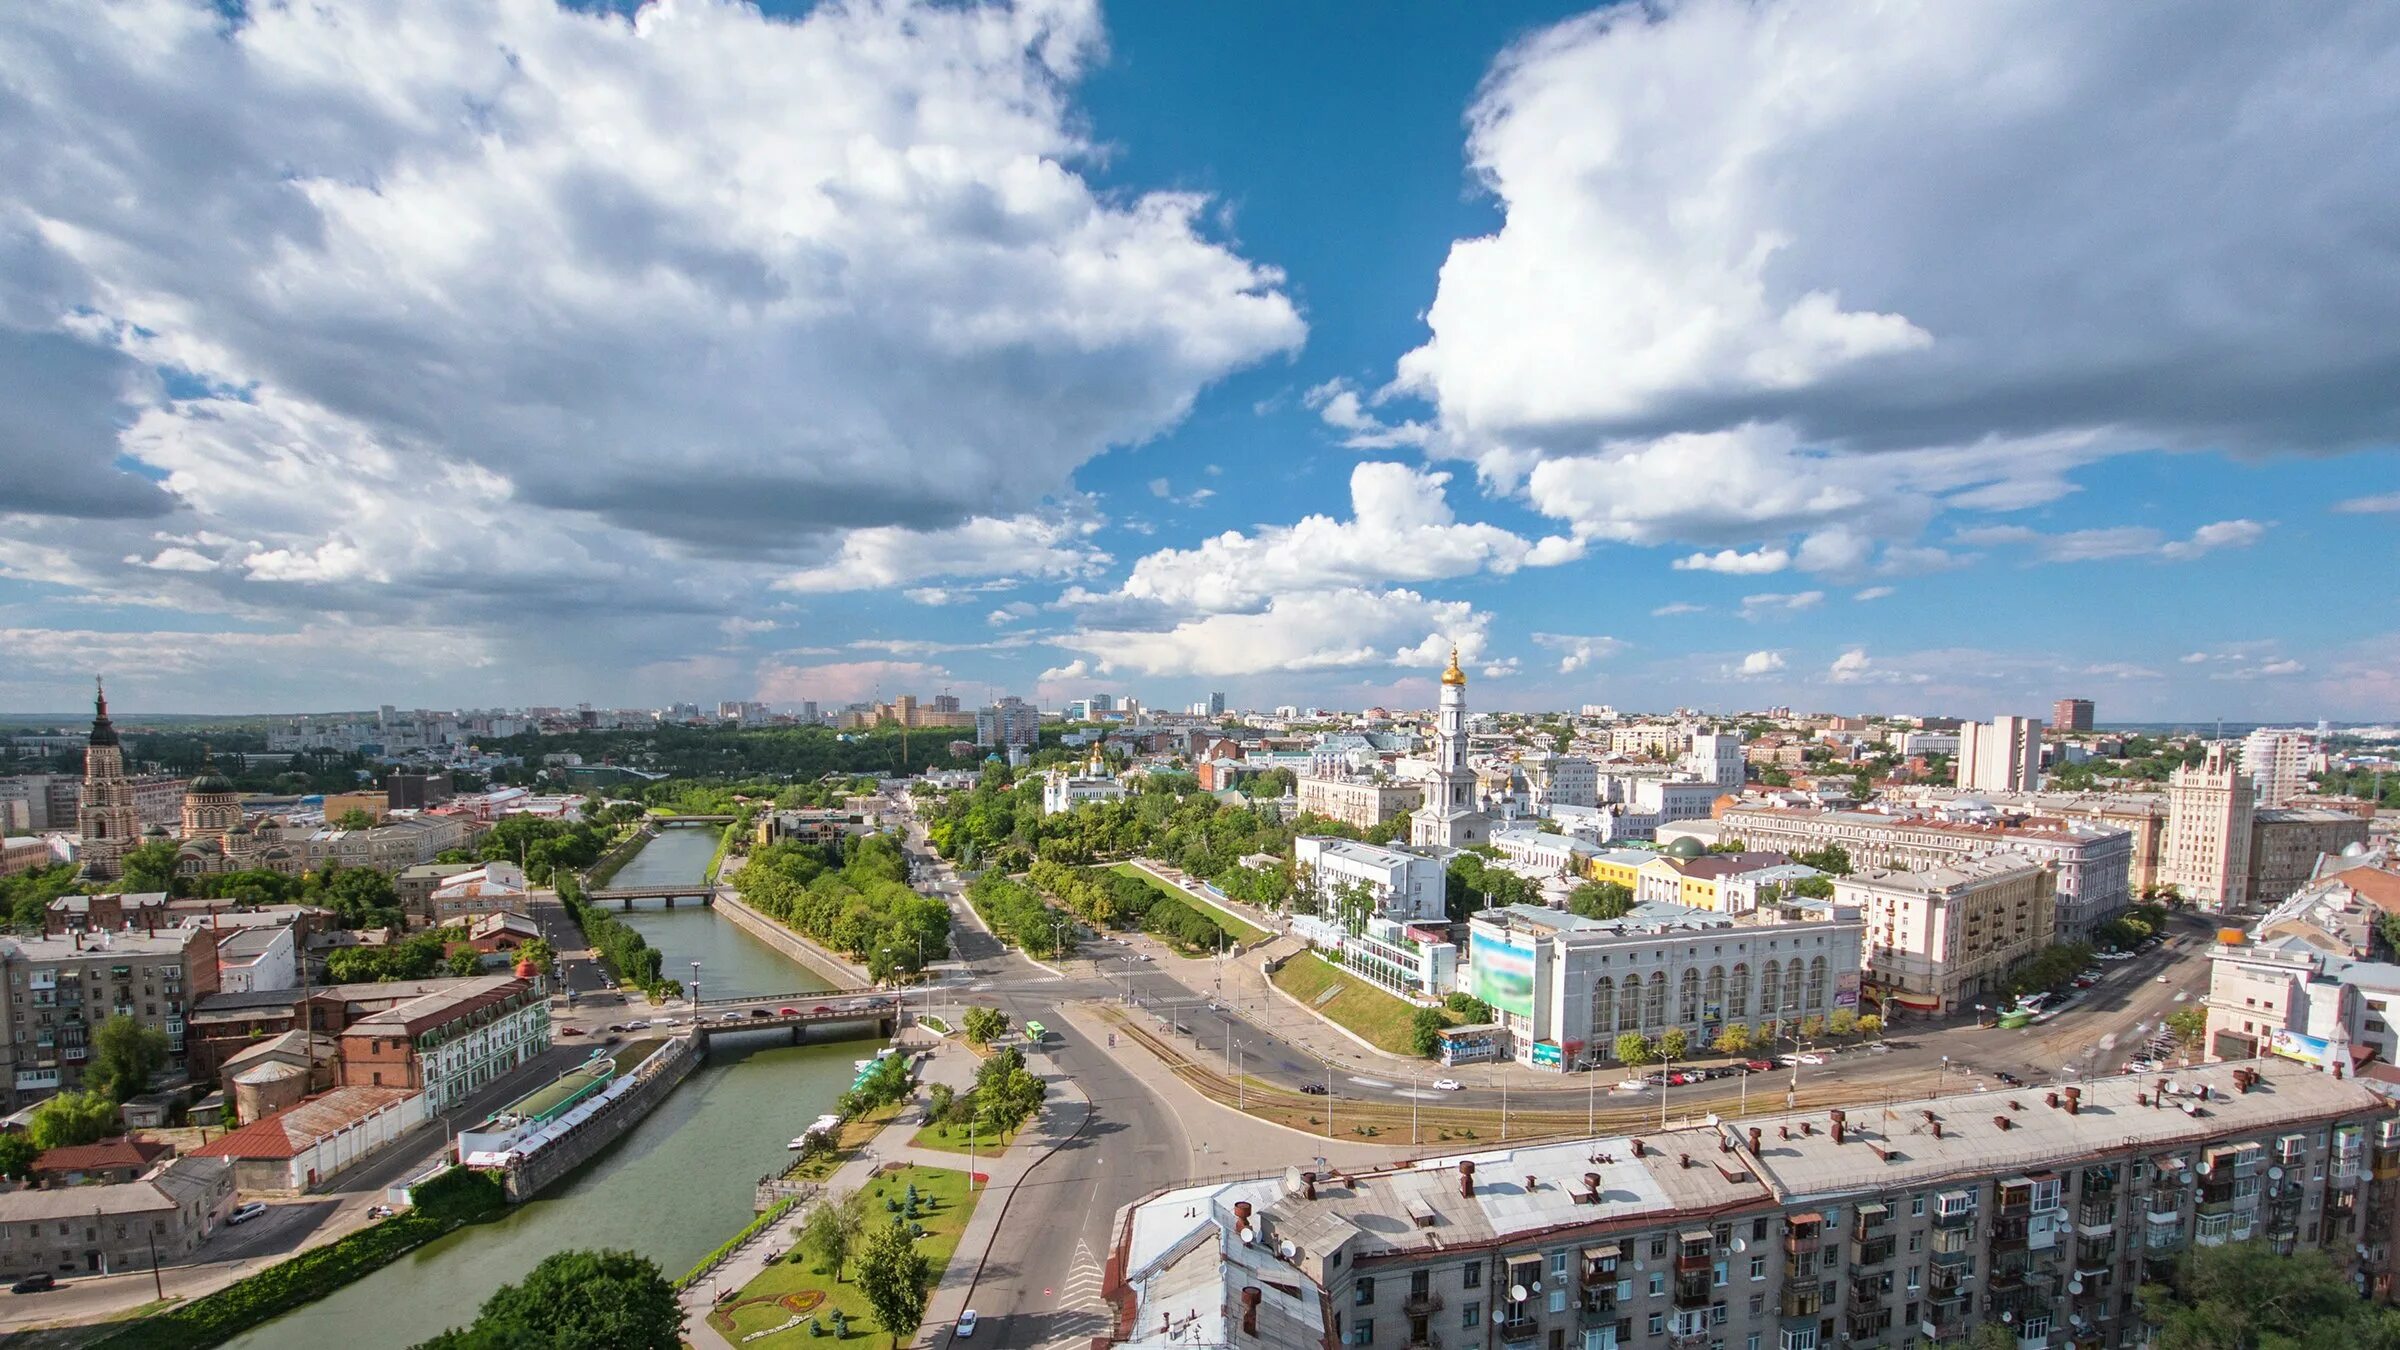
pixel 1737 1000
pixel 1712 994
pixel 1793 978
pixel 1604 1008
pixel 1816 984
pixel 1629 1004
pixel 1688 997
pixel 1654 1006
pixel 1770 988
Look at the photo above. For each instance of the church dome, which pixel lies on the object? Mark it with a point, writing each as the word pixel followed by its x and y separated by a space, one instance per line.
pixel 1686 847
pixel 209 781
pixel 155 832
pixel 1454 675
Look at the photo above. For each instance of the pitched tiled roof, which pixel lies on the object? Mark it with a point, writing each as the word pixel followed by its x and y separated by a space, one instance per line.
pixel 286 1133
pixel 123 1151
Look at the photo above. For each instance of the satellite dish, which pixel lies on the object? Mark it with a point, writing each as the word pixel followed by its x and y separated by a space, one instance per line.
pixel 2274 1174
pixel 2008 1317
pixel 2187 1174
pixel 1243 1233
pixel 1286 1250
pixel 1537 1286
pixel 2074 1286
pixel 1516 1293
pixel 1740 1245
pixel 2075 1319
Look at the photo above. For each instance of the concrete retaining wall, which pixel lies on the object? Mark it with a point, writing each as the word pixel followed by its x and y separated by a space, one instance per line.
pixel 791 944
pixel 655 1077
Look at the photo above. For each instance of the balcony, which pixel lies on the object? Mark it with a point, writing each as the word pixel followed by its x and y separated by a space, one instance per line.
pixel 2095 1219
pixel 1861 1325
pixel 1807 1302
pixel 1421 1304
pixel 1691 1291
pixel 1876 1251
pixel 1599 1304
pixel 1516 1331
pixel 1954 1219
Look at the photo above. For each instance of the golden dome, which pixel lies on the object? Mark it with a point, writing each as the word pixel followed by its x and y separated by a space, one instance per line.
pixel 1454 675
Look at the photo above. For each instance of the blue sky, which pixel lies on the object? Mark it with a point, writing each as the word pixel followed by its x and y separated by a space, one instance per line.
pixel 1715 355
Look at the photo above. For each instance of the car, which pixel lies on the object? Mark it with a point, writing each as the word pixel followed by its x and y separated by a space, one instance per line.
pixel 1445 1085
pixel 823 1008
pixel 1802 1059
pixel 1314 1089
pixel 966 1324
pixel 246 1211
pixel 2166 979
pixel 760 1012
pixel 787 1012
pixel 732 1017
pixel 570 1031
pixel 35 1284
pixel 1879 1048
pixel 1758 1065
pixel 2009 1078
pixel 1634 1085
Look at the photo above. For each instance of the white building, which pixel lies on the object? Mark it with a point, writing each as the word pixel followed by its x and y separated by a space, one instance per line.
pixel 253 959
pixel 1717 758
pixel 2210 809
pixel 1605 824
pixel 2277 763
pixel 1408 887
pixel 1449 818
pixel 1929 743
pixel 1554 781
pixel 1361 803
pixel 1063 789
pixel 1939 940
pixel 1551 854
pixel 2002 755
pixel 1565 987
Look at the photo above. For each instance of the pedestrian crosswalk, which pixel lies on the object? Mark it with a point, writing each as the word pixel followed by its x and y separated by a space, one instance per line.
pixel 1082 1313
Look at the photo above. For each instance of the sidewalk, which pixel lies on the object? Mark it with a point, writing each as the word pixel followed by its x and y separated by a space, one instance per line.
pixel 1063 1116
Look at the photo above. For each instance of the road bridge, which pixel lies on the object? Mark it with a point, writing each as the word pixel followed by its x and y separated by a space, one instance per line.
pixel 797 1012
pixel 624 896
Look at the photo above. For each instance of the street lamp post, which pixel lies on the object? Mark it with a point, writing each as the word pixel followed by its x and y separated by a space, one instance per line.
pixel 1329 1099
pixel 1412 1108
pixel 1591 1097
pixel 695 993
pixel 1940 1072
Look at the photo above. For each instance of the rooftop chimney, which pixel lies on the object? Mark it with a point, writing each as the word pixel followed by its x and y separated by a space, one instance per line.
pixel 1687 1160
pixel 1308 1185
pixel 1241 1211
pixel 1937 1127
pixel 1466 1178
pixel 1637 1148
pixel 1754 1138
pixel 1838 1120
pixel 2001 1121
pixel 1532 1183
pixel 2050 1099
pixel 1249 1309
pixel 1591 1182
pixel 2074 1097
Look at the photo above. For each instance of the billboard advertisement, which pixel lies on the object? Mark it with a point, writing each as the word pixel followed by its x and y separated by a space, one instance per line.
pixel 1845 990
pixel 1504 975
pixel 2306 1049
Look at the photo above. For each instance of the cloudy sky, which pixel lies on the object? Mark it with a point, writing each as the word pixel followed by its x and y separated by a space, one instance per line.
pixel 462 353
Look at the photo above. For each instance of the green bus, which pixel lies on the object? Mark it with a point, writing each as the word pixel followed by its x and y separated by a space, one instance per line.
pixel 1036 1032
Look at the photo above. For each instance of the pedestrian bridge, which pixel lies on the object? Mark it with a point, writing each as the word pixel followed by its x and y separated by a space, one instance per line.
pixel 701 892
pixel 717 1017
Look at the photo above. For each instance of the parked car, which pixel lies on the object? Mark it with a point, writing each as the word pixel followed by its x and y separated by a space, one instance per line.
pixel 1802 1059
pixel 35 1284
pixel 2009 1078
pixel 1445 1085
pixel 1758 1065
pixel 570 1031
pixel 1634 1085
pixel 823 1008
pixel 246 1211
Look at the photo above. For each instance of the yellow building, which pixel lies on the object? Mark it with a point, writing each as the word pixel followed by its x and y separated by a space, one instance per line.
pixel 1619 865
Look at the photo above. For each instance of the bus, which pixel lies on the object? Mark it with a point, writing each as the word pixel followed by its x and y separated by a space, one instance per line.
pixel 1036 1032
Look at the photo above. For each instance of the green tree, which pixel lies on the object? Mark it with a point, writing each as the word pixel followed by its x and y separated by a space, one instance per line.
pixel 124 1055
pixel 464 961
pixel 148 867
pixel 893 1274
pixel 1600 900
pixel 353 819
pixel 1634 1048
pixel 2243 1296
pixel 1674 1043
pixel 1991 1336
pixel 1812 1026
pixel 830 1232
pixel 72 1118
pixel 1870 1025
pixel 1425 1030
pixel 17 1152
pixel 2189 1023
pixel 577 1300
pixel 1833 858
pixel 539 951
pixel 1734 1039
pixel 984 1025
pixel 1841 1021
pixel 1468 1006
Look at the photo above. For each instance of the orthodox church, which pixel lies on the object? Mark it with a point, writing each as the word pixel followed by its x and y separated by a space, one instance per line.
pixel 1448 819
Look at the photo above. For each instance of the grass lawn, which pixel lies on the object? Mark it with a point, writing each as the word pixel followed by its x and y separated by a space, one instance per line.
pixel 854 1136
pixel 1381 1019
pixel 953 1139
pixel 1241 929
pixel 935 1024
pixel 798 1287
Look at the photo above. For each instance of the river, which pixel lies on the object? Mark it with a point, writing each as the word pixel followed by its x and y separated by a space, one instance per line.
pixel 673 1189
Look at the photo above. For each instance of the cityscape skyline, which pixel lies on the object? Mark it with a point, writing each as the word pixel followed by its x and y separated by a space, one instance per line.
pixel 1153 394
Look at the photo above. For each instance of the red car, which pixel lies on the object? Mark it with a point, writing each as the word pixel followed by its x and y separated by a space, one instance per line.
pixel 1759 1065
pixel 570 1031
pixel 787 1012
pixel 822 1007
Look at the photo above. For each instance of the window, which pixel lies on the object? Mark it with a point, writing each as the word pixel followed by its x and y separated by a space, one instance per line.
pixel 1916 1242
pixel 1758 1230
pixel 1720 1279
pixel 1758 1304
pixel 1364 1292
pixel 1658 1284
pixel 1470 1314
pixel 1916 1206
pixel 1805 1338
pixel 1558 1265
pixel 1758 1267
pixel 1752 1343
pixel 1658 1248
pixel 1474 1276
pixel 1658 1324
pixel 1364 1332
pixel 1915 1277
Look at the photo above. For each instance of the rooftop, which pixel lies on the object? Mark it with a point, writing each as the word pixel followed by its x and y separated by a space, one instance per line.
pixel 122 1151
pixel 151 1194
pixel 462 998
pixel 1650 917
pixel 289 1132
pixel 1964 872
pixel 1887 1148
pixel 102 945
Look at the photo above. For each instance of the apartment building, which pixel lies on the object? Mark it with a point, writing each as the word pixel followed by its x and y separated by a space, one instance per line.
pixel 2140 814
pixel 2042 1211
pixel 2071 714
pixel 450 1042
pixel 1407 887
pixel 2277 763
pixel 60 989
pixel 1553 781
pixel 116 1228
pixel 2002 755
pixel 1362 803
pixel 1940 939
pixel 1564 987
pixel 2286 842
pixel 2210 807
pixel 2092 861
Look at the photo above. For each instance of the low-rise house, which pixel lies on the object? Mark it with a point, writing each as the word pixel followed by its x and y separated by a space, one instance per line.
pixel 114 1229
pixel 300 1148
pixel 110 1161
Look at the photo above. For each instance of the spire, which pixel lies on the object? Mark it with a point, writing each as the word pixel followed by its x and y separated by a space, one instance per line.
pixel 1454 675
pixel 102 732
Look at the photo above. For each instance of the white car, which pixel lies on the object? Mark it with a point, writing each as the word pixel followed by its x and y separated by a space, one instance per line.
pixel 1633 1085
pixel 1802 1059
pixel 246 1211
pixel 1445 1085
pixel 966 1324
pixel 2166 979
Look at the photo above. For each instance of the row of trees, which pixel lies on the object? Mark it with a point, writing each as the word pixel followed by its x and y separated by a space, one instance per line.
pixel 999 824
pixel 1676 1044
pixel 1109 899
pixel 854 898
pixel 892 1273
pixel 1003 1097
pixel 1016 912
pixel 627 952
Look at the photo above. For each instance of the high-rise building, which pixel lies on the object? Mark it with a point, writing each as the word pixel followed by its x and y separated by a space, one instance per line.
pixel 1449 818
pixel 2071 714
pixel 2277 763
pixel 1216 705
pixel 2210 806
pixel 108 820
pixel 2002 755
pixel 1011 721
pixel 1717 757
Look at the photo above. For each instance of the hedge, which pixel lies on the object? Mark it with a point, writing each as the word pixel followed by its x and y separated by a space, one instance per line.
pixel 726 1248
pixel 449 1201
